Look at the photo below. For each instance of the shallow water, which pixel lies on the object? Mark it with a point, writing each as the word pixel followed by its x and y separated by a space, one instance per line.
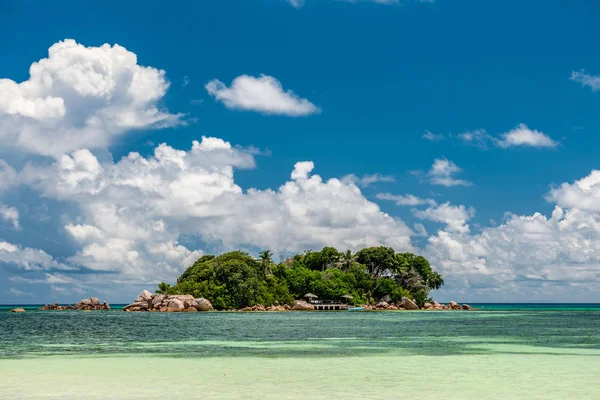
pixel 553 354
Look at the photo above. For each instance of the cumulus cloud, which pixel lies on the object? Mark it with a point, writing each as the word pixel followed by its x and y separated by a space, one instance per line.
pixel 585 79
pixel 81 97
pixel 29 259
pixel 134 212
pixel 583 194
pixel 405 200
pixel 264 94
pixel 442 173
pixel 527 257
pixel 455 217
pixel 523 136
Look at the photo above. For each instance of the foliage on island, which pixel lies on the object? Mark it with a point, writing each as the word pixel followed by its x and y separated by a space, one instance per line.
pixel 237 280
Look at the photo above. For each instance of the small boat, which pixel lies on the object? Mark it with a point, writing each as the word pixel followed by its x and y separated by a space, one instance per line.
pixel 356 309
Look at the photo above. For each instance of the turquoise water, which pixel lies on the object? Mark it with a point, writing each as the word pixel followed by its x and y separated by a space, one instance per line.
pixel 506 351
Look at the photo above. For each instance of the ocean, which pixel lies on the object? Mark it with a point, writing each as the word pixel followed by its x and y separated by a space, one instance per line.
pixel 503 351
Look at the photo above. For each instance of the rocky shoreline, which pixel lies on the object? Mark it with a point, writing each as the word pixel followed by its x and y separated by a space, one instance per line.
pixel 408 304
pixel 149 302
pixel 93 303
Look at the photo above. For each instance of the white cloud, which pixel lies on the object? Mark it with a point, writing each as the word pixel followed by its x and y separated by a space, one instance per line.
pixel 405 200
pixel 368 179
pixel 133 212
pixel 11 215
pixel 264 94
pixel 583 194
pixel 523 136
pixel 526 258
pixel 433 137
pixel 442 171
pixel 29 259
pixel 48 279
pixel 81 97
pixel 455 217
pixel 519 136
pixel 478 138
pixel 585 79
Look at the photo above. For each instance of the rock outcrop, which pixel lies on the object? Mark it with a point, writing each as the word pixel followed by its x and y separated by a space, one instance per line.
pixel 301 305
pixel 455 306
pixel 147 301
pixel 201 305
pixel 409 304
pixel 93 303
pixel 18 310
pixel 175 305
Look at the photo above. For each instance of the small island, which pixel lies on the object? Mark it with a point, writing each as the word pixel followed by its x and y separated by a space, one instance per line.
pixel 374 278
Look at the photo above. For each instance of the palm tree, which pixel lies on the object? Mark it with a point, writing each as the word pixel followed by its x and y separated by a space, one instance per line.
pixel 346 260
pixel 265 260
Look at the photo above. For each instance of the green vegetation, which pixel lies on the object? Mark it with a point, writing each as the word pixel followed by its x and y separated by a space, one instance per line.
pixel 237 280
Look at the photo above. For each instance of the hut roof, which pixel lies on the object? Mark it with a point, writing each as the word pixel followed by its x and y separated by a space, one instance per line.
pixel 347 296
pixel 311 296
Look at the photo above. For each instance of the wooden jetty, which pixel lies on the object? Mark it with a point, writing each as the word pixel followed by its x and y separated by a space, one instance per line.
pixel 328 305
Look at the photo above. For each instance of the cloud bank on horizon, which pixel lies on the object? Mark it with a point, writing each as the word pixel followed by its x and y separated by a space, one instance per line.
pixel 129 221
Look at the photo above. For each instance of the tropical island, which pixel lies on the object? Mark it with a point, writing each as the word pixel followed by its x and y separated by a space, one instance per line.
pixel 374 277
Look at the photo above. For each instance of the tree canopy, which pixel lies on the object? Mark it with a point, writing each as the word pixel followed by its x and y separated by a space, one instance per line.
pixel 236 279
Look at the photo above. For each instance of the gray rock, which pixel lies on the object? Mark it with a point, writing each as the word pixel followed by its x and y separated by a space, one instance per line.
pixel 409 304
pixel 175 305
pixel 132 306
pixel 145 295
pixel 95 301
pixel 301 305
pixel 157 300
pixel 186 299
pixel 455 306
pixel 202 305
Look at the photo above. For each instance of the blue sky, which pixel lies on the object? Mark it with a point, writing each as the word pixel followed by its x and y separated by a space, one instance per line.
pixel 358 88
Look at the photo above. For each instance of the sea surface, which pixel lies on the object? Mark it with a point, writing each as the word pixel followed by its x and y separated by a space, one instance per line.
pixel 502 351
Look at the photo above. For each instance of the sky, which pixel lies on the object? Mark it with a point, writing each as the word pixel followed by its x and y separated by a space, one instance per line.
pixel 137 136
